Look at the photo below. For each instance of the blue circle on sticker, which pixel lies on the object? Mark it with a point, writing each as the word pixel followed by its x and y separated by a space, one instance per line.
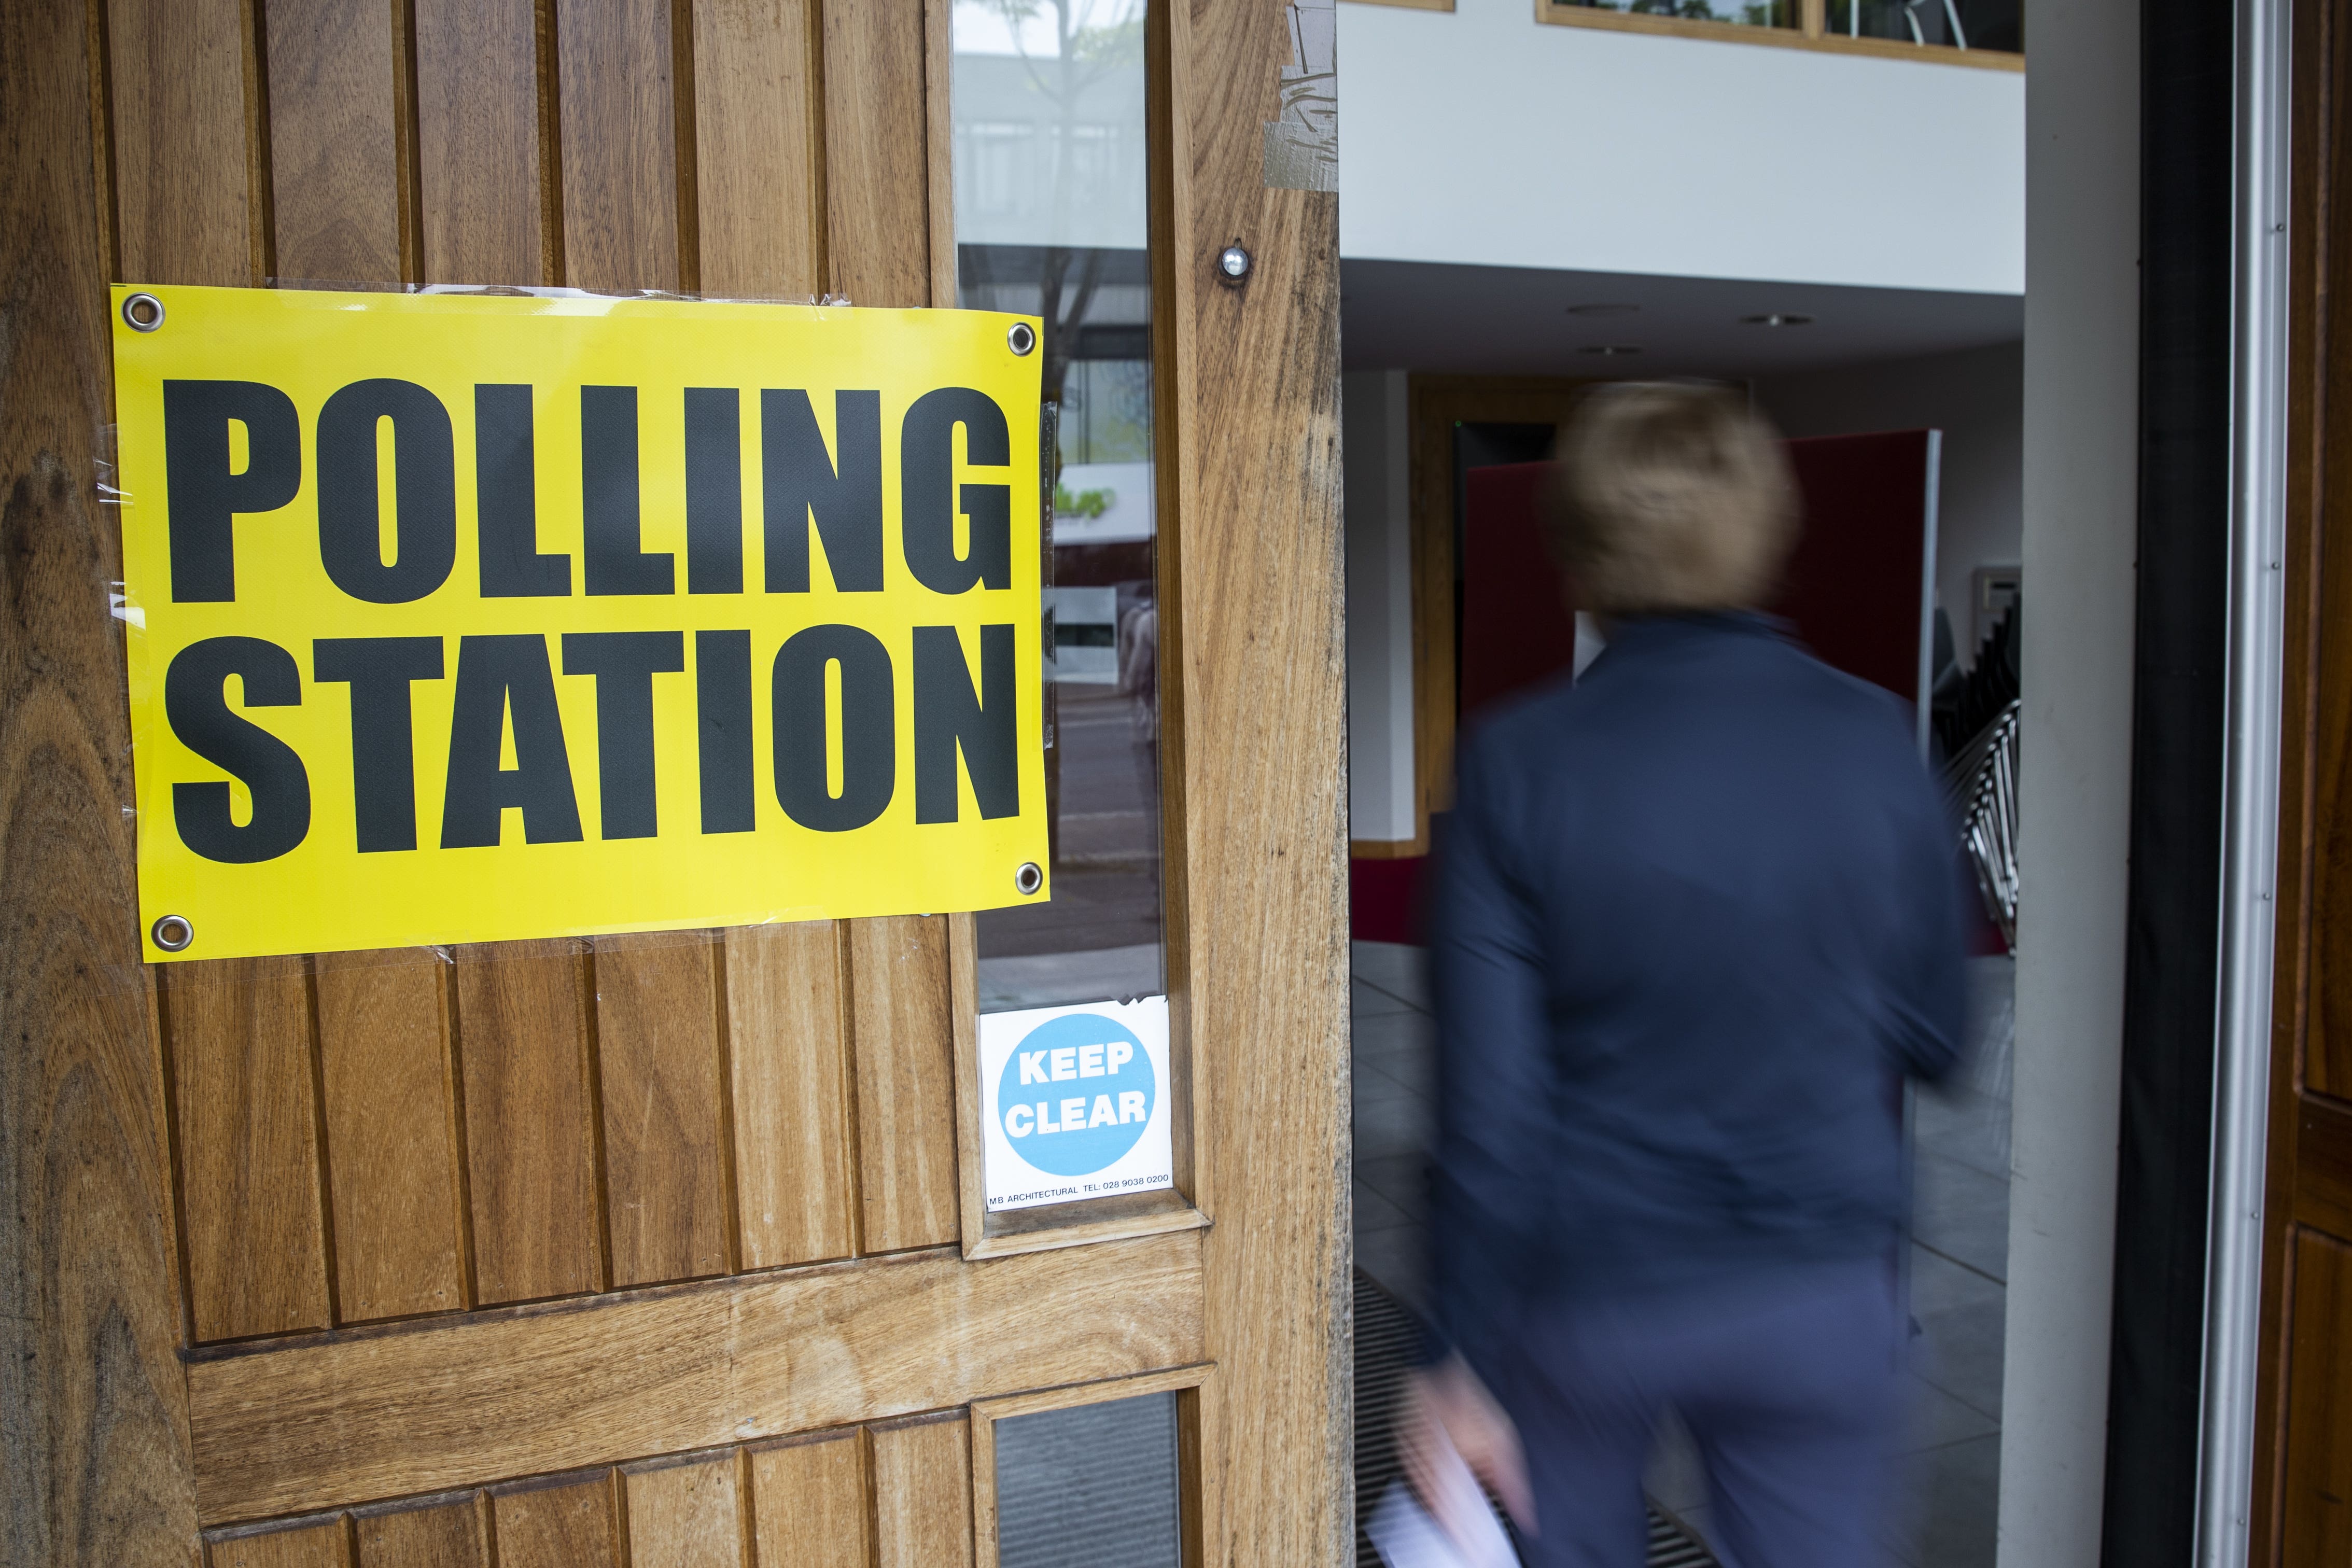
pixel 1075 1095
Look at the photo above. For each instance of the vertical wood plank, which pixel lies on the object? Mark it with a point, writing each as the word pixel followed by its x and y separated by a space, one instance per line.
pixel 449 1535
pixel 922 1494
pixel 688 1516
pixel 334 171
pixel 2315 1516
pixel 795 1180
pixel 877 143
pixel 384 1065
pixel 620 143
pixel 569 1526
pixel 240 1042
pixel 809 1504
pixel 939 71
pixel 904 1038
pixel 1260 656
pixel 184 186
pixel 657 1019
pixel 530 1131
pixel 312 1546
pixel 478 155
pixel 756 136
pixel 95 1469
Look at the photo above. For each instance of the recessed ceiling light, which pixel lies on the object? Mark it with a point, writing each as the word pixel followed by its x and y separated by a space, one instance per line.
pixel 1603 310
pixel 1777 319
pixel 1609 349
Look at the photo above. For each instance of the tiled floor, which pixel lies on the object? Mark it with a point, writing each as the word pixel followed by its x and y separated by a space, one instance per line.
pixel 1959 1255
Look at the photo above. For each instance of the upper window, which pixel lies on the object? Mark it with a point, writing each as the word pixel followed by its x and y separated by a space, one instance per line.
pixel 1971 32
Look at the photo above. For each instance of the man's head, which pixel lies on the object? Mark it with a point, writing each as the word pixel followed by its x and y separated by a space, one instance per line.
pixel 1672 497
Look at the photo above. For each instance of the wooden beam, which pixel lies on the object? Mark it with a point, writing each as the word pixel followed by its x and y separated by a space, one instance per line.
pixel 446 1402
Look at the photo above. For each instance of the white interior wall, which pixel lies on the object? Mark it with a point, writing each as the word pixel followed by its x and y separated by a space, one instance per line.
pixel 1481 135
pixel 1976 398
pixel 1378 519
pixel 2082 402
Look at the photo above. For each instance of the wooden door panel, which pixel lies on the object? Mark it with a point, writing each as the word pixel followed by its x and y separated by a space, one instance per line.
pixel 809 1504
pixel 906 1077
pixel 922 1493
pixel 391 1118
pixel 659 1014
pixel 620 143
pixel 571 1525
pixel 794 1159
pixel 404 1146
pixel 325 1545
pixel 877 178
pixel 439 1535
pixel 689 1515
pixel 482 196
pixel 334 160
pixel 759 222
pixel 530 1120
pixel 183 164
pixel 249 1177
pixel 443 1403
pixel 2316 1516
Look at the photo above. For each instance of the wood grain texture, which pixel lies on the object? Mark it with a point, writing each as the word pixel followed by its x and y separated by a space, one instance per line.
pixel 308 1546
pixel 809 1504
pixel 795 1167
pixel 530 1120
pixel 876 146
pixel 479 153
pixel 249 1179
pixel 905 1042
pixel 689 1516
pixel 620 143
pixel 1262 660
pixel 2317 1517
pixel 94 1465
pixel 185 211
pixel 569 1526
pixel 758 131
pixel 922 1493
pixel 334 165
pixel 659 1017
pixel 439 1404
pixel 444 1535
pixel 392 1133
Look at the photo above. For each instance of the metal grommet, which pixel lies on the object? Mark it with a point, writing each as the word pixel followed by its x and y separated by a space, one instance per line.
pixel 1021 337
pixel 1029 879
pixel 1232 263
pixel 172 933
pixel 142 313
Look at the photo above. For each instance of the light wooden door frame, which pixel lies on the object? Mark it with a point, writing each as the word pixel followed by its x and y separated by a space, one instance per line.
pixel 681 1377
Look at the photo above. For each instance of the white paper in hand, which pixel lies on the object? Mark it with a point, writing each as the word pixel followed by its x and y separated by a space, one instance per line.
pixel 1408 1535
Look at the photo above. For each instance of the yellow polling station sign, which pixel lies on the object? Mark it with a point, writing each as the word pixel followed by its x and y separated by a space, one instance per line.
pixel 466 617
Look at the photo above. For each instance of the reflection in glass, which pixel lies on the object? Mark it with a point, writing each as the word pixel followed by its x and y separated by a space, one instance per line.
pixel 1089 1486
pixel 1051 188
pixel 1962 24
pixel 1749 13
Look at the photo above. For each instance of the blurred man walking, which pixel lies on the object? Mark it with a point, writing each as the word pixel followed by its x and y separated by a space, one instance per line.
pixel 1695 918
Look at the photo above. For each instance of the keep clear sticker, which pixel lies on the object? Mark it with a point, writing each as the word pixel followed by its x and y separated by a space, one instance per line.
pixel 1076 1102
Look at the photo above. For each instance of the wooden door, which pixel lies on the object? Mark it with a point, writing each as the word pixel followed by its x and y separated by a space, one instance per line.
pixel 2303 1490
pixel 659 1249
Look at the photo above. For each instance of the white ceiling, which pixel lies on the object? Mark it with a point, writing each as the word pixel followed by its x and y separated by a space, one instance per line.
pixel 1513 321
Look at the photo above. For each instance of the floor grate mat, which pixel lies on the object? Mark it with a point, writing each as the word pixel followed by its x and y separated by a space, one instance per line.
pixel 1388 1338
